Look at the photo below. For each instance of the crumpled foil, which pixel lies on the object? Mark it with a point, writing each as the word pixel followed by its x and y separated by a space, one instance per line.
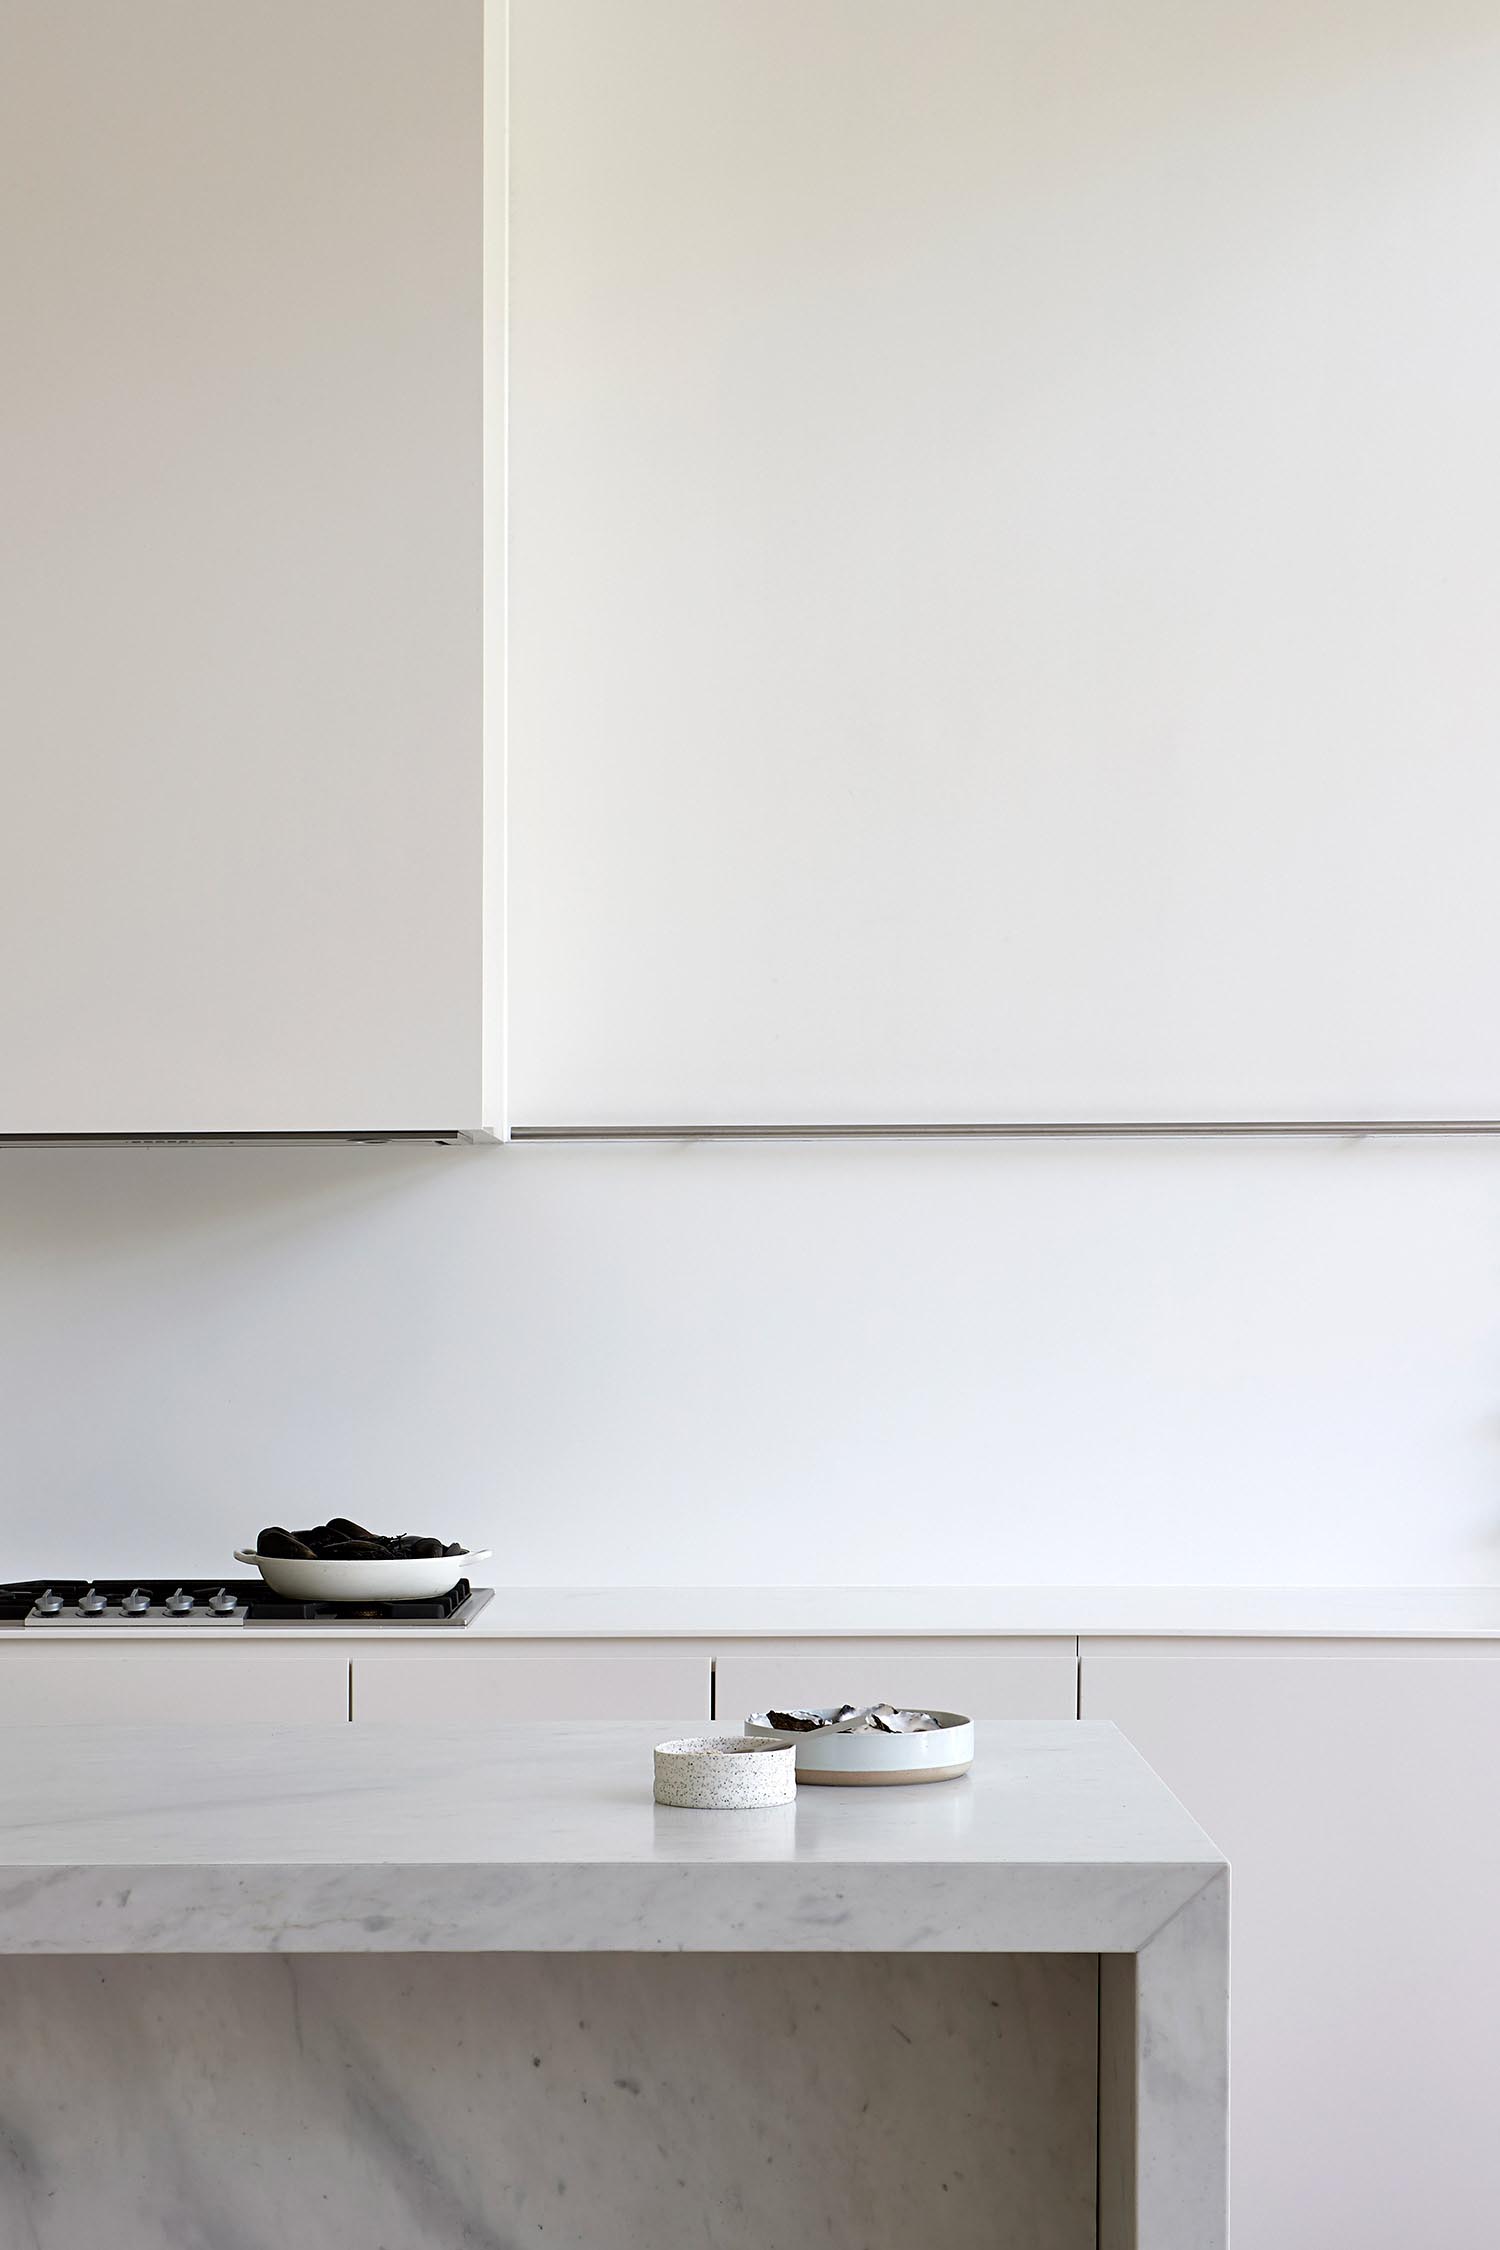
pixel 874 1718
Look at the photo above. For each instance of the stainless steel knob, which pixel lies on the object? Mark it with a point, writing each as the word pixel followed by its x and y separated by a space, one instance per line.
pixel 91 1603
pixel 223 1601
pixel 136 1602
pixel 48 1603
pixel 178 1603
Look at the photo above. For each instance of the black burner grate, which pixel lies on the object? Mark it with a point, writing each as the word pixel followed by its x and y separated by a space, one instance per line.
pixel 19 1596
pixel 261 1602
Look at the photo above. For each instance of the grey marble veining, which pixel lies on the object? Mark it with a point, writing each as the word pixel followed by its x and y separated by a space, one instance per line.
pixel 533 1858
pixel 1164 2083
pixel 603 2102
pixel 545 1838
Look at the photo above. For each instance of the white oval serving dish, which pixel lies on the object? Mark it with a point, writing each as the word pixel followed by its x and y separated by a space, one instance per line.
pixel 871 1761
pixel 306 1578
pixel 725 1772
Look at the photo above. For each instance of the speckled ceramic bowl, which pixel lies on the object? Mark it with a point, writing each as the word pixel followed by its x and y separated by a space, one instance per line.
pixel 726 1772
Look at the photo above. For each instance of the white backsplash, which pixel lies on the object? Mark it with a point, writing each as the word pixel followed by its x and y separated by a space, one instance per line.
pixel 1151 1363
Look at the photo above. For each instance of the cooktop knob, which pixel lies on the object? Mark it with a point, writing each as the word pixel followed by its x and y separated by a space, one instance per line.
pixel 136 1602
pixel 223 1601
pixel 91 1603
pixel 48 1603
pixel 179 1603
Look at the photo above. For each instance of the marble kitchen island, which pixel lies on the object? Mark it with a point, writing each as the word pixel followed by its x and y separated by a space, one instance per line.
pixel 408 1989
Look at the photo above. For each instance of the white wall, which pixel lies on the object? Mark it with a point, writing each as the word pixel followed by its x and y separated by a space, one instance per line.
pixel 1224 473
pixel 1133 1362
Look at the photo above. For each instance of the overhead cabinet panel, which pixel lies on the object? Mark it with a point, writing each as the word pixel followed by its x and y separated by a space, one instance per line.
pixel 241 785
pixel 1005 545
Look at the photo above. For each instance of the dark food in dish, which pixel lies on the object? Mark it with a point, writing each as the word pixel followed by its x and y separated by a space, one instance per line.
pixel 339 1540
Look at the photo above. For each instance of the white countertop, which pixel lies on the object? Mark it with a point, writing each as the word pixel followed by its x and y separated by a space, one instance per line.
pixel 726 1613
pixel 204 1839
pixel 819 1612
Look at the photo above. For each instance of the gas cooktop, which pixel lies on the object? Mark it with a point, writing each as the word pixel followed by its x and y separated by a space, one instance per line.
pixel 84 1604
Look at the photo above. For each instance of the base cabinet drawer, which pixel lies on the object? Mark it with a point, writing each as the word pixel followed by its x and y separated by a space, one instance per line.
pixel 52 1686
pixel 479 1686
pixel 1023 1679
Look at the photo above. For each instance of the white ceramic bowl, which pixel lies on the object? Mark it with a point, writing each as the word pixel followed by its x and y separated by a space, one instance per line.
pixel 725 1772
pixel 868 1761
pixel 304 1578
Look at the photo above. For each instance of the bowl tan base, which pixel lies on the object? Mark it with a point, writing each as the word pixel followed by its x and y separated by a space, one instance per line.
pixel 827 1780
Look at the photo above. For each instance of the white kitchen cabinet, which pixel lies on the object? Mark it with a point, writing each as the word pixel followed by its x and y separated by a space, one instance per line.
pixel 49 1686
pixel 1024 1678
pixel 568 1684
pixel 942 738
pixel 242 880
pixel 1352 1786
